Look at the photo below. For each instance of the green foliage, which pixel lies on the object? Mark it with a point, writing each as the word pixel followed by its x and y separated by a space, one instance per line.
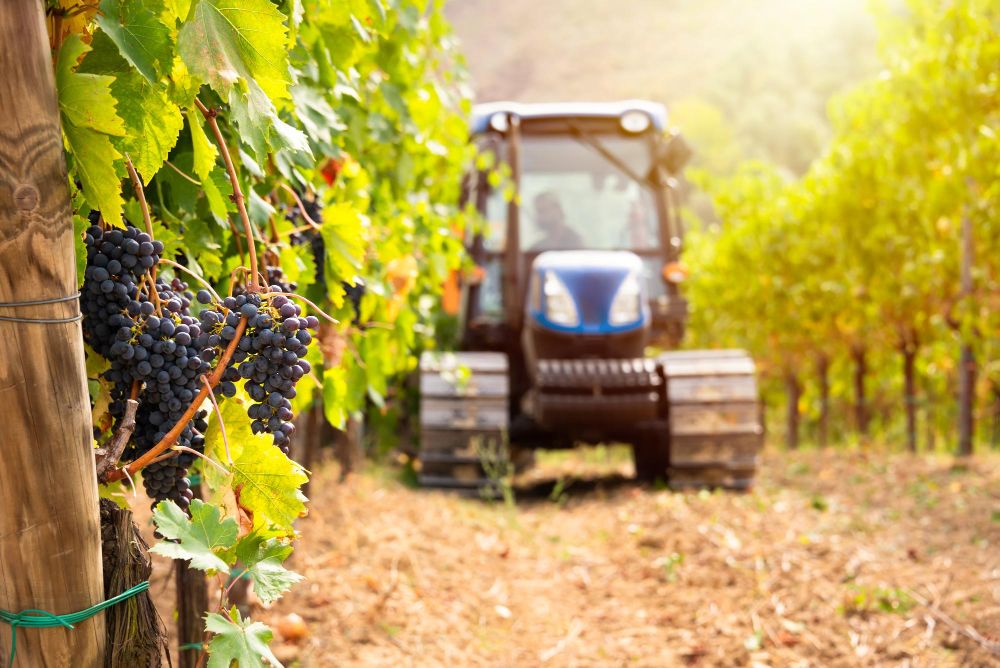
pixel 269 482
pixel 237 639
pixel 358 106
pixel 89 121
pixel 198 538
pixel 262 557
pixel 862 253
pixel 140 36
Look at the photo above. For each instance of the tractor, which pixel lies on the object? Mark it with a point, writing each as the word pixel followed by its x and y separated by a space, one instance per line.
pixel 570 325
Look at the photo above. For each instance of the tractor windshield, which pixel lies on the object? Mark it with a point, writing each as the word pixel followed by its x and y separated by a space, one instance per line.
pixel 581 192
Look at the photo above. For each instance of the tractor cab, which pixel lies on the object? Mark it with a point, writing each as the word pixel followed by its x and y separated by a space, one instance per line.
pixel 579 279
pixel 596 177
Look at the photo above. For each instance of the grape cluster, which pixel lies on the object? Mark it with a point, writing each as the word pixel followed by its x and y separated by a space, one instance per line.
pixel 276 277
pixel 150 349
pixel 315 240
pixel 117 260
pixel 158 353
pixel 354 293
pixel 270 356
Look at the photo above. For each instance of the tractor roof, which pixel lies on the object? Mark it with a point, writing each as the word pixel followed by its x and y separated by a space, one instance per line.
pixel 481 113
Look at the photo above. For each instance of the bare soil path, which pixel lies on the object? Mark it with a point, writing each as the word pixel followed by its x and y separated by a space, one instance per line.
pixel 833 560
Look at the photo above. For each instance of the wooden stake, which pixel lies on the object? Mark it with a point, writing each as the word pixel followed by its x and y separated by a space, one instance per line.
pixel 192 604
pixel 967 358
pixel 50 541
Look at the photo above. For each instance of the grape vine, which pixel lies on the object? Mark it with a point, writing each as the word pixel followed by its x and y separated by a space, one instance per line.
pixel 316 176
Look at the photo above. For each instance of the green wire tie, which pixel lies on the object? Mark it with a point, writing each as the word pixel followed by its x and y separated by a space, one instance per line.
pixel 194 479
pixel 40 619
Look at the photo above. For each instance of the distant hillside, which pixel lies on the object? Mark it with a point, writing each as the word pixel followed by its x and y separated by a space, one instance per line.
pixel 766 68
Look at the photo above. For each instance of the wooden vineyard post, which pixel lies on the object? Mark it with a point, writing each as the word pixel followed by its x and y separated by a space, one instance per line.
pixel 967 358
pixel 311 439
pixel 192 604
pixel 50 540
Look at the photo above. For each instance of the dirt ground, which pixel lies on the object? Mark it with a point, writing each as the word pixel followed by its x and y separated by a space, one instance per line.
pixel 833 560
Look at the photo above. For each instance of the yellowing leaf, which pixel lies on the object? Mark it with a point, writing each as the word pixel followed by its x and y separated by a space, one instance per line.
pixel 270 483
pixel 204 150
pixel 343 238
pixel 268 480
pixel 229 40
pixel 94 158
pixel 89 121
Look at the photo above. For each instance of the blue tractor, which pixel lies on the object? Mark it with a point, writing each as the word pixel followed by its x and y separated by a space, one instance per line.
pixel 570 326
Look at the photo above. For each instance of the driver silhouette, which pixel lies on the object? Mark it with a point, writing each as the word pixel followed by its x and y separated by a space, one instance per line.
pixel 551 221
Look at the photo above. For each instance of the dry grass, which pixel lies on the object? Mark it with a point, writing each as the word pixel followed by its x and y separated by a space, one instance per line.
pixel 814 568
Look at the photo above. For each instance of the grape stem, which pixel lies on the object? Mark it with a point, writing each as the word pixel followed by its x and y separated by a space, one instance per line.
pixel 140 195
pixel 302 207
pixel 184 448
pixel 232 582
pixel 208 286
pixel 218 414
pixel 211 116
pixel 301 298
pixel 108 457
pixel 181 173
pixel 171 436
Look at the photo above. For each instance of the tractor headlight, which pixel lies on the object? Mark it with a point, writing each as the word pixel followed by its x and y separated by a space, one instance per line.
pixel 626 307
pixel 559 305
pixel 635 121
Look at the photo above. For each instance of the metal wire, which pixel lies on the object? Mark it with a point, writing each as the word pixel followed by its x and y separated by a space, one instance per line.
pixel 39 302
pixel 36 302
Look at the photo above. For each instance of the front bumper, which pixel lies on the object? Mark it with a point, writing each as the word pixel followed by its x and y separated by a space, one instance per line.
pixel 546 344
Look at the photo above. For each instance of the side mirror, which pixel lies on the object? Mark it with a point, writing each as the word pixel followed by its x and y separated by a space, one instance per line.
pixel 673 153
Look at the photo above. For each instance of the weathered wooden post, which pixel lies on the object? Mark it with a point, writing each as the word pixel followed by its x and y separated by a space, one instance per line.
pixel 967 358
pixel 192 604
pixel 50 539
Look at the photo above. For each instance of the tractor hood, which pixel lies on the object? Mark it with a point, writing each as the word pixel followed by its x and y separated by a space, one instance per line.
pixel 588 292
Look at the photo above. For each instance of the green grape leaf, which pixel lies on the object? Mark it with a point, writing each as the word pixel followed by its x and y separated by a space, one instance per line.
pixel 259 210
pixel 219 204
pixel 241 640
pixel 336 392
pixel 260 126
pixel 262 559
pixel 80 224
pixel 141 37
pixel 343 237
pixel 152 123
pixel 298 265
pixel 89 120
pixel 200 538
pixel 226 41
